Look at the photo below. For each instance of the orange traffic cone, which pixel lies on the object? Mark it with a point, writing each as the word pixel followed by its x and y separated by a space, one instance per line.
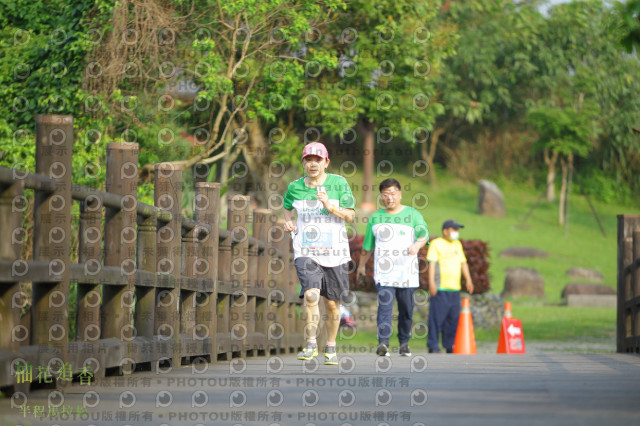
pixel 507 310
pixel 465 339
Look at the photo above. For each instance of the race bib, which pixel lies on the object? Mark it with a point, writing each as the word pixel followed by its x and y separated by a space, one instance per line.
pixel 316 239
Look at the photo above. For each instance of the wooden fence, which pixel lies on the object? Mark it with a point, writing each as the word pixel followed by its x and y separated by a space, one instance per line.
pixel 154 288
pixel 628 329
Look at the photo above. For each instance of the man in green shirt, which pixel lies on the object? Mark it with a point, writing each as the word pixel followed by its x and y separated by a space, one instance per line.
pixel 323 203
pixel 397 232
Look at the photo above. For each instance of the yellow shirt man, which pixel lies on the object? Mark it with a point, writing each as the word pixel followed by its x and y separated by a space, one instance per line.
pixel 447 263
pixel 448 258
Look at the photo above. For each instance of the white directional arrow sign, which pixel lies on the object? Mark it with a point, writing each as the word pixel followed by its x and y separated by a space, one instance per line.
pixel 514 331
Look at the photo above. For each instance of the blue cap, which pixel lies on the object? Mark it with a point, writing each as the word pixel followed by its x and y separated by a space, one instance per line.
pixel 451 224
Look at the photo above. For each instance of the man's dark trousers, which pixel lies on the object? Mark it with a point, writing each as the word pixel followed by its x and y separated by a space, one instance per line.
pixel 386 296
pixel 444 312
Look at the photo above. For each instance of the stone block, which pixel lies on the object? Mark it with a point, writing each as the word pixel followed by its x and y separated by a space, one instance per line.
pixel 593 300
pixel 523 282
pixel 490 199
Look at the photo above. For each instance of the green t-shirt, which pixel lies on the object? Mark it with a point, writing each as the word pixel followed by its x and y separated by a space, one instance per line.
pixel 321 236
pixel 392 234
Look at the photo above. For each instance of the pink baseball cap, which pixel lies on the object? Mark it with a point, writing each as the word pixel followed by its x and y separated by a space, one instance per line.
pixel 315 148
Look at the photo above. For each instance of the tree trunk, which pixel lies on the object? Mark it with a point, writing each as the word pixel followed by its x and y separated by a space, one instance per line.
pixel 563 191
pixel 230 155
pixel 258 157
pixel 368 160
pixel 429 153
pixel 551 162
pixel 566 209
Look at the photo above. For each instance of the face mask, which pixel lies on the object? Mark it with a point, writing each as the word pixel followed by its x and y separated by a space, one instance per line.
pixel 454 235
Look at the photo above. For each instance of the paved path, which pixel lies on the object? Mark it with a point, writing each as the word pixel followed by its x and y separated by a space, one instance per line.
pixel 532 389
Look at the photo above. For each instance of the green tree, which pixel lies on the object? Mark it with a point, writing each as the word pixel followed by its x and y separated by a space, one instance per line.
pixel 580 59
pixel 566 132
pixel 241 60
pixel 629 24
pixel 254 73
pixel 43 46
pixel 486 87
pixel 388 53
pixel 509 58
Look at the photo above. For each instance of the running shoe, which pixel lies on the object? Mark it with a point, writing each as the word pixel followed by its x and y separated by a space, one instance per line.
pixel 330 356
pixel 382 350
pixel 309 352
pixel 404 350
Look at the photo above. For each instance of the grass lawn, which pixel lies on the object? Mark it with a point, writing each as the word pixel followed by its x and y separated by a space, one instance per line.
pixel 584 246
pixel 561 323
pixel 541 323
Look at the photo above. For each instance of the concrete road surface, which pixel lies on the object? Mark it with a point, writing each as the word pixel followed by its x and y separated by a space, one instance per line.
pixel 486 389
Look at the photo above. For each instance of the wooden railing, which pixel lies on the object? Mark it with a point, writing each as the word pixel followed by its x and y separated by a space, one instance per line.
pixel 154 288
pixel 628 330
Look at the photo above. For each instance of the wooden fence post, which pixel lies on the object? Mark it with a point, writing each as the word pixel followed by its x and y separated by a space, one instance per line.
pixel 12 204
pixel 254 340
pixel 146 287
pixel 52 233
pixel 273 328
pixel 628 321
pixel 90 254
pixel 13 234
pixel 207 211
pixel 262 222
pixel 90 238
pixel 633 326
pixel 634 287
pixel 237 219
pixel 280 272
pixel 168 196
pixel 120 244
pixel 296 324
pixel 224 297
pixel 189 343
pixel 296 341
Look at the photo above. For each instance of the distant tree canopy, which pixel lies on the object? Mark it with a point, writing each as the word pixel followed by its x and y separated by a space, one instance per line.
pixel 630 24
pixel 476 87
pixel 44 48
pixel 511 59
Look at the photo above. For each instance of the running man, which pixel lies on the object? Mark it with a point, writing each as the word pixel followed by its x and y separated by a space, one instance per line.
pixel 323 202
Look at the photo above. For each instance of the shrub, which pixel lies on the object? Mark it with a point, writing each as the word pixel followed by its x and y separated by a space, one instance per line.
pixel 477 253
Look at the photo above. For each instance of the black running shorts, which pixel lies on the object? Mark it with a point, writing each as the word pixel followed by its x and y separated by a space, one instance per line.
pixel 333 282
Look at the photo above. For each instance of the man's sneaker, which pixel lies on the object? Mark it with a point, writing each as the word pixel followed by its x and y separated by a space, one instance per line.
pixel 435 351
pixel 330 356
pixel 310 351
pixel 404 350
pixel 382 350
